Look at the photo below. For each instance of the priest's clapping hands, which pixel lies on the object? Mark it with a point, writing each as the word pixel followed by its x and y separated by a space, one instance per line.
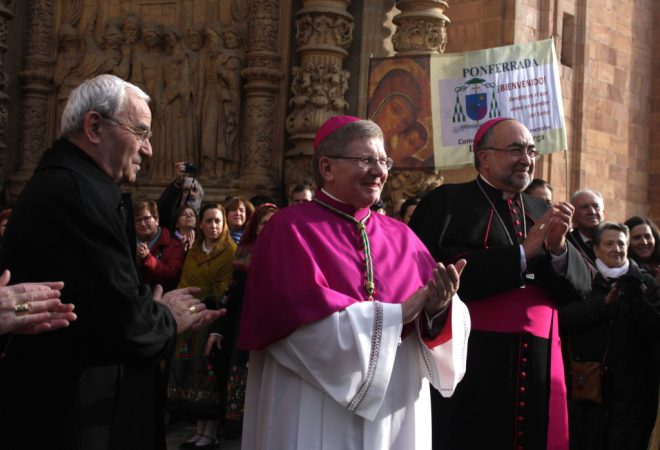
pixel 550 229
pixel 436 296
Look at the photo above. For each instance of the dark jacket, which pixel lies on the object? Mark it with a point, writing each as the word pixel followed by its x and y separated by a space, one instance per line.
pixel 89 386
pixel 631 327
pixel 586 249
pixel 168 206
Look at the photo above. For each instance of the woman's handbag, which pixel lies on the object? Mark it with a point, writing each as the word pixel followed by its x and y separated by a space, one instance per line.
pixel 587 381
pixel 587 378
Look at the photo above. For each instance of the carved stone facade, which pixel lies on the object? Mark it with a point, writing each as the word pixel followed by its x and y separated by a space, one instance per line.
pixel 232 80
pixel 189 63
pixel 262 77
pixel 36 78
pixel 324 32
pixel 5 17
pixel 421 27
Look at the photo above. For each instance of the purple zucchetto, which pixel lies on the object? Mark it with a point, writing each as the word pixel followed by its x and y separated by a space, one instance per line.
pixel 330 126
pixel 483 129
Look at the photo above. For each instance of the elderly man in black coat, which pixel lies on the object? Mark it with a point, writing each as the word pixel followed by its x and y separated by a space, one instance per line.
pixel 91 385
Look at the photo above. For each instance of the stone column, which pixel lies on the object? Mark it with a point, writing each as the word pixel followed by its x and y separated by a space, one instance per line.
pixel 324 32
pixel 37 88
pixel 421 30
pixel 421 27
pixel 5 17
pixel 262 77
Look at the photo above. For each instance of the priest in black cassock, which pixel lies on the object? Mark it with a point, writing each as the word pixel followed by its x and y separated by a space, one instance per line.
pixel 520 267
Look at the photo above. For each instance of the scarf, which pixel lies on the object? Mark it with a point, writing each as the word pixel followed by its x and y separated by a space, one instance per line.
pixel 612 272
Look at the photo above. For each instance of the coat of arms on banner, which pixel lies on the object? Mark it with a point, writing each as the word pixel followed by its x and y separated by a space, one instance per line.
pixel 475 97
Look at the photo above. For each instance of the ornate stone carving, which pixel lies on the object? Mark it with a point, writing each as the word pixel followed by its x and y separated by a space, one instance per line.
pixel 69 56
pixel 221 99
pixel 414 35
pixel 324 33
pixel 318 92
pixel 406 184
pixel 318 29
pixel 262 76
pixel 193 78
pixel 5 17
pixel 298 171
pixel 259 136
pixel 37 87
pixel 264 26
pixel 421 27
pixel 178 115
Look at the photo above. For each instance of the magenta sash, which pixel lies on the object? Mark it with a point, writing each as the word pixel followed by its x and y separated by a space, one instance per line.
pixel 530 309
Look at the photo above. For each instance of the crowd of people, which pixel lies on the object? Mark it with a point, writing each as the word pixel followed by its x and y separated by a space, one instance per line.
pixel 325 323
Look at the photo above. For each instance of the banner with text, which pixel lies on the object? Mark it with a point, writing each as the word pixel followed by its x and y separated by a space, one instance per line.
pixel 467 89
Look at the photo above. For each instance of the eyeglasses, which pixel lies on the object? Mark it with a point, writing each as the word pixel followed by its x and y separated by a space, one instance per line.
pixel 145 219
pixel 517 152
pixel 142 134
pixel 367 162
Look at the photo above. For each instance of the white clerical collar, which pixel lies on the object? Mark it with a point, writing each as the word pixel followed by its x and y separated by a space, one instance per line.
pixel 505 195
pixel 332 196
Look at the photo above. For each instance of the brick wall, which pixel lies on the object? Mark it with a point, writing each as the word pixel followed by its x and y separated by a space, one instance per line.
pixel 610 87
pixel 654 134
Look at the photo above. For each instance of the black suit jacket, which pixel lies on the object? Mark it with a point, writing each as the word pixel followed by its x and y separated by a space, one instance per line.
pixel 89 386
pixel 586 249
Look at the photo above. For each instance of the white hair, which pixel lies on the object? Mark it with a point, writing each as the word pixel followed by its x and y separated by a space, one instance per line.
pixel 105 94
pixel 587 191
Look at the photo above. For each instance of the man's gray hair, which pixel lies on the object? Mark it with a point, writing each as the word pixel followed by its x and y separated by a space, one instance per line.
pixel 105 94
pixel 336 142
pixel 587 191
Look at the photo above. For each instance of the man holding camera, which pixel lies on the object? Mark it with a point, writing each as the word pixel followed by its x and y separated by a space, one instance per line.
pixel 184 190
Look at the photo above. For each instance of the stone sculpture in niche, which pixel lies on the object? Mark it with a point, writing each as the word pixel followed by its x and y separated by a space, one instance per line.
pixel 66 77
pixel 177 105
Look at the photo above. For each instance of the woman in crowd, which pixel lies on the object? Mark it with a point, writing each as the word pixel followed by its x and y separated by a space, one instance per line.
pixel 4 218
pixel 644 237
pixel 160 257
pixel 643 248
pixel 608 336
pixel 226 329
pixel 186 222
pixel 194 384
pixel 541 189
pixel 239 211
pixel 408 208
